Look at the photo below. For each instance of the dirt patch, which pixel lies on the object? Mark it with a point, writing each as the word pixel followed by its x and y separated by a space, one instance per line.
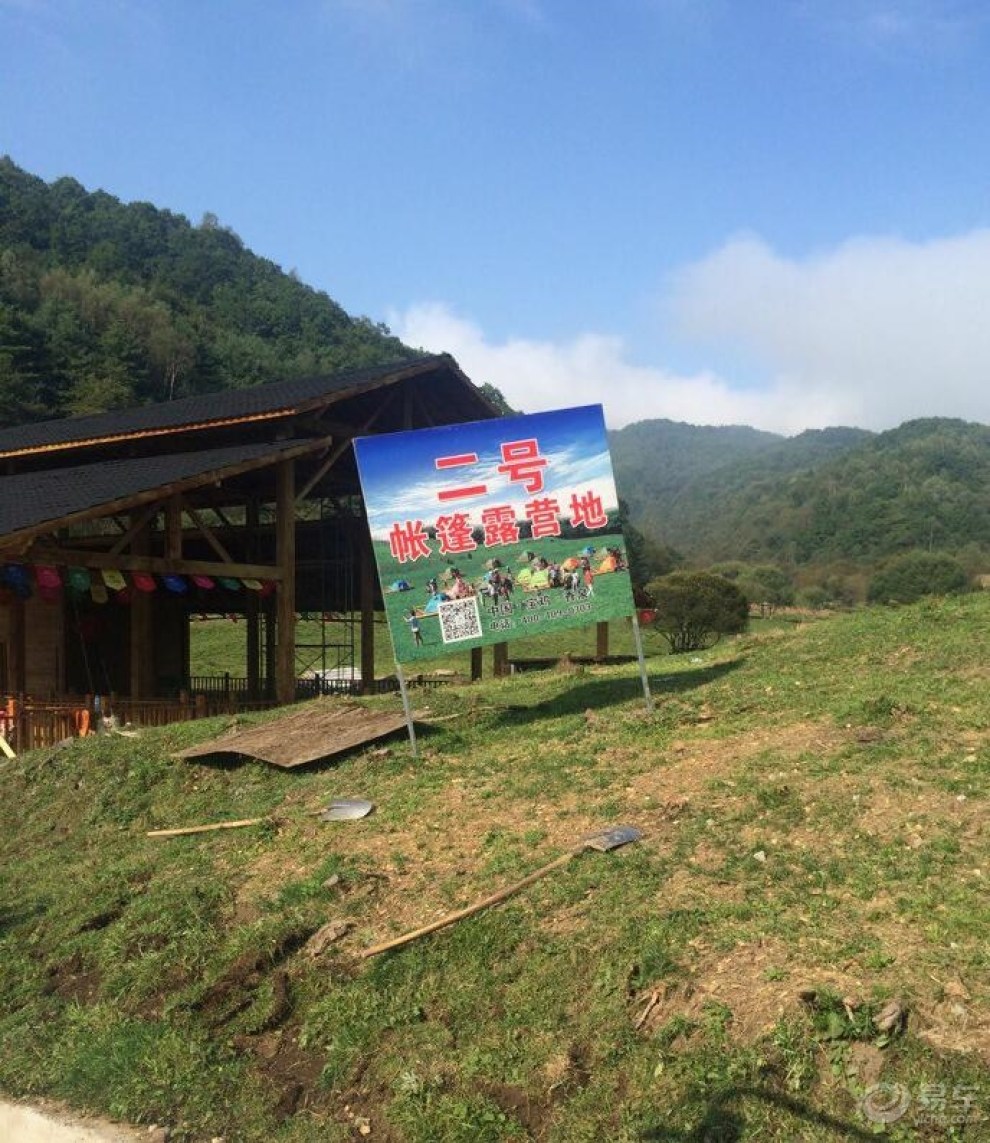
pixel 748 990
pixel 72 979
pixel 917 812
pixel 687 769
pixel 531 1111
pixel 416 893
pixel 291 1072
pixel 235 990
pixel 425 869
pixel 953 1023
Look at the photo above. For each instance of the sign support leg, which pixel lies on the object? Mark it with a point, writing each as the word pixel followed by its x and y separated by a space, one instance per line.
pixel 637 636
pixel 404 690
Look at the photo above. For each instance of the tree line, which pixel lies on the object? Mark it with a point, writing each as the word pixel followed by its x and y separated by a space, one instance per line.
pixel 105 304
pixel 829 506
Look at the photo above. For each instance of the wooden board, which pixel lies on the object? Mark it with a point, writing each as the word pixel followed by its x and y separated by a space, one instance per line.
pixel 311 732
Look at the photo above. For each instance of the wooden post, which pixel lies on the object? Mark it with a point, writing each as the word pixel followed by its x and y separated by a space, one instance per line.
pixel 601 640
pixel 270 643
pixel 142 646
pixel 173 528
pixel 500 660
pixel 18 647
pixel 477 664
pixel 366 569
pixel 285 549
pixel 252 609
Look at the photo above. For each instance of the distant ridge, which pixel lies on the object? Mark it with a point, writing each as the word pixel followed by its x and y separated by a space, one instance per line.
pixel 837 494
pixel 106 305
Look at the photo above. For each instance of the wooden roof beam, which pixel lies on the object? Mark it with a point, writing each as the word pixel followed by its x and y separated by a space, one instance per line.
pixel 136 528
pixel 17 541
pixel 208 534
pixel 323 469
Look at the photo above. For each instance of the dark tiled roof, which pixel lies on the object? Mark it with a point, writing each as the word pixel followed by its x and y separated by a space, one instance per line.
pixel 211 408
pixel 33 499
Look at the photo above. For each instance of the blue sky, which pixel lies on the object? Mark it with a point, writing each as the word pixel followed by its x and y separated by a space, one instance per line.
pixel 772 212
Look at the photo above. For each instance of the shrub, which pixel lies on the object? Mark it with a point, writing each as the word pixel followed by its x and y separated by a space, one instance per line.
pixel 815 597
pixel 917 574
pixel 694 609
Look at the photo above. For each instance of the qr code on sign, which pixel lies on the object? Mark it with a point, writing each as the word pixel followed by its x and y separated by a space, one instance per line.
pixel 459 619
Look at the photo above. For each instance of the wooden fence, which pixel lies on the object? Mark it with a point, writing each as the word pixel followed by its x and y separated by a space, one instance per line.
pixel 32 724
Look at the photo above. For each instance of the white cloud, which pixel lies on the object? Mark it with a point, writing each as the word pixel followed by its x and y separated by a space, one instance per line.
pixel 871 334
pixel 592 369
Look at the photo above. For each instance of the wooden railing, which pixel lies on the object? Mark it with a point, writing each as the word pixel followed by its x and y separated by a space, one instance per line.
pixel 33 724
pixel 30 724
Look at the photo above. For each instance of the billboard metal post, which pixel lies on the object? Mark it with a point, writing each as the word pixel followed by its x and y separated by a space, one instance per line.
pixel 404 691
pixel 638 637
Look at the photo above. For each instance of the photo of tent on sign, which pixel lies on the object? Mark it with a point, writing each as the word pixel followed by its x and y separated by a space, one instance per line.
pixel 497 529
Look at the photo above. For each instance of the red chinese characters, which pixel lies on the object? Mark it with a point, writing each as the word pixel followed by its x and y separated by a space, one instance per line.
pixel 408 541
pixel 522 463
pixel 454 533
pixel 544 517
pixel 500 526
pixel 587 510
pixel 459 460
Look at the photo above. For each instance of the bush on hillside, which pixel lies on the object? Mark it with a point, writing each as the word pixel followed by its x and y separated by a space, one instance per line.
pixel 917 574
pixel 816 597
pixel 694 609
pixel 765 586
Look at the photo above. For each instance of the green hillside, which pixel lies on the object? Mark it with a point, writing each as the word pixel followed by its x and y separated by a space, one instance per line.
pixel 105 304
pixel 661 458
pixel 836 495
pixel 803 919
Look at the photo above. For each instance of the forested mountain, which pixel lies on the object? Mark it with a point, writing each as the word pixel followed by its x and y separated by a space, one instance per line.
pixel 824 497
pixel 659 458
pixel 105 304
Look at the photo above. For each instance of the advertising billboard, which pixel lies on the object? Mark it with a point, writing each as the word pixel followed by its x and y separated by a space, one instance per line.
pixel 494 530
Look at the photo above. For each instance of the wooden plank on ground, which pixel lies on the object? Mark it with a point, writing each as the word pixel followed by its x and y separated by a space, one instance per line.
pixel 316 730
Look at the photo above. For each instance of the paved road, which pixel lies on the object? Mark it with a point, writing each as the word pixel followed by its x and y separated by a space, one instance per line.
pixel 21 1123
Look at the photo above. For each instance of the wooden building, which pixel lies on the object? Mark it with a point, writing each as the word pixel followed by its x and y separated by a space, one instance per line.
pixel 117 528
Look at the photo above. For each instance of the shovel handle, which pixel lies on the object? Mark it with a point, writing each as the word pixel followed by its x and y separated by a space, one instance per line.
pixel 486 903
pixel 204 828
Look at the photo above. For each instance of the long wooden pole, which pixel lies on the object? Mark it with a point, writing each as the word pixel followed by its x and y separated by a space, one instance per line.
pixel 182 831
pixel 285 545
pixel 451 918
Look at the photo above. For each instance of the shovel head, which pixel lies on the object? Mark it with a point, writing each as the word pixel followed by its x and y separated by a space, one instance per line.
pixel 346 809
pixel 611 838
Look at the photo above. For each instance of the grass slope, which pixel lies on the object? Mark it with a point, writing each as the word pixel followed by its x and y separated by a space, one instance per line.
pixel 804 918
